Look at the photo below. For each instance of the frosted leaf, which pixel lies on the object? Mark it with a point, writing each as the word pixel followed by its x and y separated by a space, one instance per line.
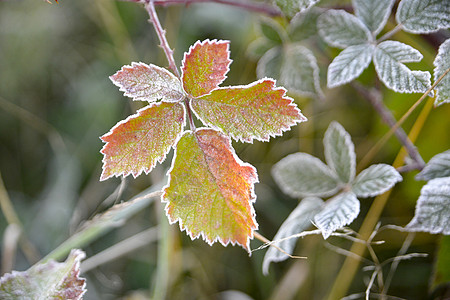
pixel 291 7
pixel 388 60
pixel 303 175
pixel 259 47
pixel 423 16
pixel 375 180
pixel 438 166
pixel 337 212
pixel 341 29
pixel 433 208
pixel 49 280
pixel 271 30
pixel 349 64
pixel 304 25
pixel 374 13
pixel 441 64
pixel 148 83
pixel 294 66
pixel 340 152
pixel 298 221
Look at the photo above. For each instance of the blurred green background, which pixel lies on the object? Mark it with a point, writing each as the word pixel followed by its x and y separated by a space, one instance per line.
pixel 56 100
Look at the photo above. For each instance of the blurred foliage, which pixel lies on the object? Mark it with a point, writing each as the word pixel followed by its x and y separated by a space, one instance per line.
pixel 56 100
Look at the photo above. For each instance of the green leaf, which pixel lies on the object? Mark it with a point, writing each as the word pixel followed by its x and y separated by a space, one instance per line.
pixel 340 152
pixel 50 280
pixel 375 180
pixel 433 208
pixel 271 30
pixel 442 261
pixel 388 60
pixel 258 47
pixel 438 166
pixel 339 211
pixel 349 64
pixel 423 16
pixel 255 111
pixel 304 25
pixel 205 66
pixel 341 29
pixel 298 221
pixel 303 175
pixel 294 66
pixel 374 14
pixel 148 83
pixel 137 143
pixel 292 7
pixel 442 64
pixel 210 190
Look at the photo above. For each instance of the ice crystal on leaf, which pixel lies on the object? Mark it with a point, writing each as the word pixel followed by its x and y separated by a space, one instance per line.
pixel 210 190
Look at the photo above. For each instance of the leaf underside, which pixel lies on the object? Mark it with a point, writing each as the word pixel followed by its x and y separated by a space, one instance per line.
pixel 210 190
pixel 442 64
pixel 255 111
pixel 205 66
pixel 139 142
pixel 438 166
pixel 375 180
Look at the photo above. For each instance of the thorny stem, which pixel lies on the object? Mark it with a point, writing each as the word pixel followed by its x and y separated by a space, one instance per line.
pixel 250 6
pixel 374 97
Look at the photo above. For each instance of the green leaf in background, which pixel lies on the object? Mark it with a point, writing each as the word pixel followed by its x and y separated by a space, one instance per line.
pixel 205 66
pixel 148 83
pixel 375 180
pixel 259 47
pixel 303 175
pixel 337 212
pixel 441 269
pixel 388 60
pixel 304 25
pixel 374 13
pixel 340 29
pixel 292 7
pixel 49 280
pixel 423 16
pixel 340 152
pixel 255 111
pixel 433 208
pixel 271 30
pixel 349 64
pixel 135 144
pixel 438 166
pixel 298 221
pixel 441 64
pixel 210 190
pixel 294 66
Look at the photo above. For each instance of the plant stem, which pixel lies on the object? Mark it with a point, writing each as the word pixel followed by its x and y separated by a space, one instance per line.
pixel 390 33
pixel 270 10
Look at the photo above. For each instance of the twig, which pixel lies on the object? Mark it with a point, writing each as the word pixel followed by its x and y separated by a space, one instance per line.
pixel 390 33
pixel 11 237
pixel 271 243
pixel 369 286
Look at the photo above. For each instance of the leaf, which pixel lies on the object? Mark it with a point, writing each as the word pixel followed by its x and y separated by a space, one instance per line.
pixel 298 221
pixel 259 47
pixel 339 211
pixel 50 280
pixel 138 142
pixel 304 25
pixel 438 166
pixel 294 66
pixel 433 208
pixel 374 14
pixel 210 190
pixel 423 16
pixel 303 175
pixel 205 66
pixel 291 7
pixel 255 111
pixel 148 83
pixel 375 180
pixel 441 64
pixel 341 29
pixel 340 152
pixel 388 60
pixel 349 64
pixel 271 30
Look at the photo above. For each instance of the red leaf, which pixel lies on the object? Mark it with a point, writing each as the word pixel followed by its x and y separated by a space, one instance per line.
pixel 205 66
pixel 255 111
pixel 148 83
pixel 137 143
pixel 210 190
